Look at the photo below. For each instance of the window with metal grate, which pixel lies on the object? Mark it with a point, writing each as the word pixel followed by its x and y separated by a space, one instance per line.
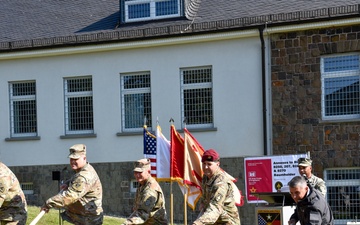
pixel 23 115
pixel 28 188
pixel 79 118
pixel 197 97
pixel 135 101
pixel 340 76
pixel 343 193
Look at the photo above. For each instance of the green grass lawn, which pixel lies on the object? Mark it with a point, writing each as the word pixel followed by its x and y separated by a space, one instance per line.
pixel 53 217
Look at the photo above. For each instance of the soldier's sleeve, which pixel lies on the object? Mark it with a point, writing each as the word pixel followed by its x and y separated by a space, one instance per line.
pixel 213 210
pixel 77 189
pixel 315 217
pixel 321 187
pixel 201 203
pixel 67 182
pixel 202 199
pixel 146 205
pixel 5 183
pixel 294 216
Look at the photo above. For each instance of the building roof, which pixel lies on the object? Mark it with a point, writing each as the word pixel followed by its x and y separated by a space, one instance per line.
pixel 39 23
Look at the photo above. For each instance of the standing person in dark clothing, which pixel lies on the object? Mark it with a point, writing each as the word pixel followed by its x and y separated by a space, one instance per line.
pixel 311 206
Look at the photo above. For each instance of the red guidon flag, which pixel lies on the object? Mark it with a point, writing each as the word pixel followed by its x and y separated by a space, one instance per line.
pixel 193 169
pixel 177 155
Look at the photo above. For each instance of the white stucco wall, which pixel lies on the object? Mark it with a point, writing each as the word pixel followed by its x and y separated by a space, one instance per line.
pixel 237 99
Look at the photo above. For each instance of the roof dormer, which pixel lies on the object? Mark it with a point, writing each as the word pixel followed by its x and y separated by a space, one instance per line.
pixel 144 10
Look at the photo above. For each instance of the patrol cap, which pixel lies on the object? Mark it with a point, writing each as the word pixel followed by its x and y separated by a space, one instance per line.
pixel 210 155
pixel 304 162
pixel 141 165
pixel 76 151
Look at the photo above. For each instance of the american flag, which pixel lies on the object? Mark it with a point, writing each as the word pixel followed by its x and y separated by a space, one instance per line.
pixel 150 149
pixel 261 220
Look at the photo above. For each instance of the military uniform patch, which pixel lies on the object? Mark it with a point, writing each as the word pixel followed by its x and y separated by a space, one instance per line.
pixel 2 187
pixel 78 185
pixel 218 197
pixel 148 202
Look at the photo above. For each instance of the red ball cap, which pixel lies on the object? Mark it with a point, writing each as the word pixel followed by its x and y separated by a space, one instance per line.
pixel 210 155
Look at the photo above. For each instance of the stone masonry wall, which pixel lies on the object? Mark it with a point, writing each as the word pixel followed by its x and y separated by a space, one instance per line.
pixel 117 196
pixel 296 98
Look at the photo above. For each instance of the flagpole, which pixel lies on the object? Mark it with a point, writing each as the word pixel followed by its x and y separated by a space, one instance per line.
pixel 185 209
pixel 171 184
pixel 171 203
pixel 171 192
pixel 185 194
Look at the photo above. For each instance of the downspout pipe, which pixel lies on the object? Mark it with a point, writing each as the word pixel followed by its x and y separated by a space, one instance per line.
pixel 263 76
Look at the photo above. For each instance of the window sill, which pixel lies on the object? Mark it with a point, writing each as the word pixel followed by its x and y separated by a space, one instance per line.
pixel 33 138
pixel 346 120
pixel 120 134
pixel 72 136
pixel 199 129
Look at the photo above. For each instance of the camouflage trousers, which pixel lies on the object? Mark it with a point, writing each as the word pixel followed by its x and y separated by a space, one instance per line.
pixel 20 222
pixel 82 220
pixel 14 219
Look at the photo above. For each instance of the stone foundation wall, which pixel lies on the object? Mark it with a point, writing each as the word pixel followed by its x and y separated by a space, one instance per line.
pixel 116 179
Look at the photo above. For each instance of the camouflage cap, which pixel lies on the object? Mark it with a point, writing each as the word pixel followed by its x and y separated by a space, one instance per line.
pixel 304 162
pixel 141 165
pixel 76 151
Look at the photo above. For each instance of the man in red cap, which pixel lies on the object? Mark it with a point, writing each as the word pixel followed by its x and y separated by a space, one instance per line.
pixel 217 202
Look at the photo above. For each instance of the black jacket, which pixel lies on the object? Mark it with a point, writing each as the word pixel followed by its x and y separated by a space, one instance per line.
pixel 313 210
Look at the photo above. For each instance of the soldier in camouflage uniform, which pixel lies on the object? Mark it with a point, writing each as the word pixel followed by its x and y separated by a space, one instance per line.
pixel 81 196
pixel 149 206
pixel 13 207
pixel 217 202
pixel 305 169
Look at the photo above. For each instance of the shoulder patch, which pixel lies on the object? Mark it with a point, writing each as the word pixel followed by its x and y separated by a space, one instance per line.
pixel 218 197
pixel 148 202
pixel 2 187
pixel 78 184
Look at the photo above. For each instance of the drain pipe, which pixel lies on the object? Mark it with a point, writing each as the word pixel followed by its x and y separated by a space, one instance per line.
pixel 263 75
